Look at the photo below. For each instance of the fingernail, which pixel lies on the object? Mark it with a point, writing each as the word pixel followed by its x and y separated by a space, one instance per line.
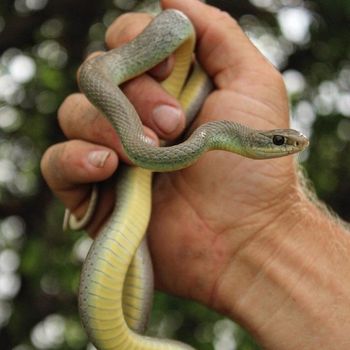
pixel 150 141
pixel 98 158
pixel 167 118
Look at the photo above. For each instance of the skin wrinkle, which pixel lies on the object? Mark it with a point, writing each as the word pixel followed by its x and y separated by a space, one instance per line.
pixel 231 71
pixel 207 57
pixel 175 185
pixel 207 30
pixel 260 209
pixel 241 249
pixel 84 195
pixel 223 47
pixel 220 46
pixel 272 203
pixel 186 179
pixel 284 183
pixel 56 167
pixel 213 293
pixel 338 290
pixel 54 164
pixel 216 234
pixel 71 108
pixel 101 134
pixel 60 165
pixel 238 180
pixel 280 278
pixel 243 200
pixel 138 87
pixel 125 31
pixel 295 228
pixel 240 199
pixel 266 102
pixel 260 182
pixel 234 257
pixel 255 115
pixel 303 298
pixel 259 103
pixel 228 76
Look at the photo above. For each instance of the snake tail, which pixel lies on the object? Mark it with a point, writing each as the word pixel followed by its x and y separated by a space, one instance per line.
pixel 103 276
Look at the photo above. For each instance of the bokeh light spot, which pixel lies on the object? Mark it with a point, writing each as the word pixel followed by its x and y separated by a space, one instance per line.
pixel 295 81
pixel 22 68
pixel 295 23
pixel 49 333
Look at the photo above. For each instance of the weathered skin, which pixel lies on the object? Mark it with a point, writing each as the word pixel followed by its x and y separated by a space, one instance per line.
pixel 115 285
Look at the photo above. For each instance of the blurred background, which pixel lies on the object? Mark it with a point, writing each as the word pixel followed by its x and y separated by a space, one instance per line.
pixel 42 42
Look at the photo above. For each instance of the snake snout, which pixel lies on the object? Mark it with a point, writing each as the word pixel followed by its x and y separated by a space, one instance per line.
pixel 303 143
pixel 298 140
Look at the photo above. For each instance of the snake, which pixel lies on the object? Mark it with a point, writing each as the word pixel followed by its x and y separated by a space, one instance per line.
pixel 116 284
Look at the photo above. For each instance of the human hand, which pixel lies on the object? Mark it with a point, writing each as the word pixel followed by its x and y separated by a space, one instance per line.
pixel 204 215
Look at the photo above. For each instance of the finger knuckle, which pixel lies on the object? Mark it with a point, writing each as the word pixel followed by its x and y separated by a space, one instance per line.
pixel 226 17
pixel 67 109
pixel 52 163
pixel 125 28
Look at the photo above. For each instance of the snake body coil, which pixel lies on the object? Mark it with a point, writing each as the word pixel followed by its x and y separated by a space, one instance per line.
pixel 116 282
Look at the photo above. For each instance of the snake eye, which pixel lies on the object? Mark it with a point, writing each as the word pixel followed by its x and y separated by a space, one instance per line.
pixel 278 140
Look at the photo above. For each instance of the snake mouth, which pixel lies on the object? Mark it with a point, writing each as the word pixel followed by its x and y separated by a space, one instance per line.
pixel 276 152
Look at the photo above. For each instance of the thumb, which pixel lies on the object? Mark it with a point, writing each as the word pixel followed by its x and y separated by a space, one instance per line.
pixel 223 49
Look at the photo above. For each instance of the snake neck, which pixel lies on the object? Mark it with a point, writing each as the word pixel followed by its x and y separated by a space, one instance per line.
pixel 228 136
pixel 218 135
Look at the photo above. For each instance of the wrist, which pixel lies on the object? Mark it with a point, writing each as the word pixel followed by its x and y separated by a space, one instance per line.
pixel 281 284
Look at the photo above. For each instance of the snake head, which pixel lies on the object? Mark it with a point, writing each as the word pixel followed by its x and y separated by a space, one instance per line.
pixel 278 143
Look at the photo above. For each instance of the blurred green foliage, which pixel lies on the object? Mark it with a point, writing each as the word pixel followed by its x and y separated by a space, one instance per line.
pixel 42 42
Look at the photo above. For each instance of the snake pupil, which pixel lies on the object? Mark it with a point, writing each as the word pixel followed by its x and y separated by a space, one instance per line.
pixel 278 140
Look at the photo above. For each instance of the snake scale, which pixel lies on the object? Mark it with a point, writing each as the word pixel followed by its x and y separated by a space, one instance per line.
pixel 116 287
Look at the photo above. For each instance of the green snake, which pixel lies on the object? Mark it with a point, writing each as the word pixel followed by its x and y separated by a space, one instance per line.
pixel 117 281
